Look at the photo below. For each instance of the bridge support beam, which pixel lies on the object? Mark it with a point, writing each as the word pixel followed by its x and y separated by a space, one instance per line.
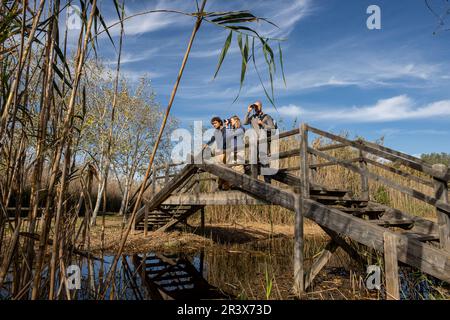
pixel 441 193
pixel 391 267
pixel 299 271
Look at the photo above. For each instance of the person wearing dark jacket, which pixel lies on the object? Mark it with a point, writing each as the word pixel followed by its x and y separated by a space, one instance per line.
pixel 260 121
pixel 219 137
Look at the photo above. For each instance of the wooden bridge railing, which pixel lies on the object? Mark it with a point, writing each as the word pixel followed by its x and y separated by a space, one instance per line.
pixel 439 174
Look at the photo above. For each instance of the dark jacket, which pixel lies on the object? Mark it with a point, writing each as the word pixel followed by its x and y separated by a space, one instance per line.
pixel 219 137
pixel 252 118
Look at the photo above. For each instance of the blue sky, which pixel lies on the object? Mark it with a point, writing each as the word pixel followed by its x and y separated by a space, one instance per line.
pixel 340 75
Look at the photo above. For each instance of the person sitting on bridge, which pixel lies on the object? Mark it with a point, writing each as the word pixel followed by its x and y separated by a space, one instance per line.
pixel 260 122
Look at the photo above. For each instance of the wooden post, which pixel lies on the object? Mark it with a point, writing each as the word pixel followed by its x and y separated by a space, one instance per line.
pixel 145 220
pixel 299 274
pixel 364 178
pixel 313 171
pixel 320 262
pixel 154 181
pixel 197 184
pixel 166 180
pixel 441 193
pixel 254 171
pixel 202 220
pixel 391 267
pixel 304 165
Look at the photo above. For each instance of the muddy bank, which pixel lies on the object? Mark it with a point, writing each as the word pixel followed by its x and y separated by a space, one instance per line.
pixel 190 239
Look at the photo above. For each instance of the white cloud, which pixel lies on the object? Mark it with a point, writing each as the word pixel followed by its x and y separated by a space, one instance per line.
pixel 134 57
pixel 354 71
pixel 393 109
pixel 154 21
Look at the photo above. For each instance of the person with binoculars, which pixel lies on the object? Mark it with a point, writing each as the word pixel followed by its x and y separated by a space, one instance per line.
pixel 235 143
pixel 229 138
pixel 258 119
pixel 263 124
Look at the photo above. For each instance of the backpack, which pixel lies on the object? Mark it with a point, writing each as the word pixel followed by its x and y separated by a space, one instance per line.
pixel 275 124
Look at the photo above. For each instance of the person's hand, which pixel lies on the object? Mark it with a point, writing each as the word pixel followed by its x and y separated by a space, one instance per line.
pixel 226 122
pixel 249 109
pixel 205 146
pixel 260 122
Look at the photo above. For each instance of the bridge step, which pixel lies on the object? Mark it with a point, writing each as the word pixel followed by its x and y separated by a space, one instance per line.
pixel 329 192
pixel 401 223
pixel 421 236
pixel 372 213
pixel 330 200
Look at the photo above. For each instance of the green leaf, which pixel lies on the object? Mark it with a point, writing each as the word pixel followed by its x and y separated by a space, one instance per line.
pixel 259 75
pixel 244 54
pixel 234 15
pixel 61 75
pixel 224 52
pixel 116 5
pixel 280 53
pixel 102 21
pixel 57 89
pixel 63 59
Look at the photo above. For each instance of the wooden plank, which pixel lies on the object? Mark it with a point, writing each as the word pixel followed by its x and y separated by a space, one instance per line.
pixel 393 156
pixel 299 271
pixel 176 220
pixel 286 154
pixel 332 147
pixel 254 187
pixel 165 192
pixel 167 174
pixel 202 220
pixel 421 225
pixel 320 262
pixel 443 217
pixel 400 172
pixel 281 135
pixel 391 267
pixel 409 191
pixel 345 246
pixel 421 236
pixel 327 164
pixel 364 178
pixel 394 222
pixel 397 153
pixel 145 221
pixel 221 198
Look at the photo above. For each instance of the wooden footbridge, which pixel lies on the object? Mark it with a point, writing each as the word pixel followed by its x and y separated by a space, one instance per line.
pixel 344 215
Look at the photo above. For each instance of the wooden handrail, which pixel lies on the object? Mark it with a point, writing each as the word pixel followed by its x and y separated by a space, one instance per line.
pixel 399 172
pixel 409 191
pixel 386 153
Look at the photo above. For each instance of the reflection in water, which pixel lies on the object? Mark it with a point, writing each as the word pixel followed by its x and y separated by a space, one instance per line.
pixel 254 270
pixel 175 277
